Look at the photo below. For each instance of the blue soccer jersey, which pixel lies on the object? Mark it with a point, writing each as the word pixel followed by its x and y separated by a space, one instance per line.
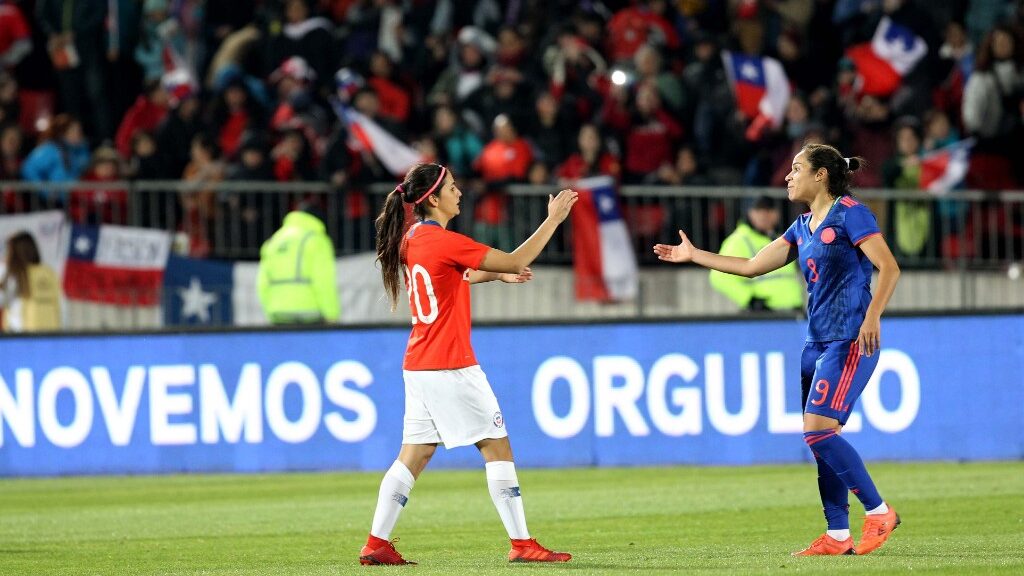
pixel 838 274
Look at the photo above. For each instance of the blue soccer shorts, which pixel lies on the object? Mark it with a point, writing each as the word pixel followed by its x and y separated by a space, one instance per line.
pixel 832 376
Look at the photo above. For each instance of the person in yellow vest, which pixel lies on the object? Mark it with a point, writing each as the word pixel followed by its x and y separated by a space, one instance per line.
pixel 779 290
pixel 29 290
pixel 296 282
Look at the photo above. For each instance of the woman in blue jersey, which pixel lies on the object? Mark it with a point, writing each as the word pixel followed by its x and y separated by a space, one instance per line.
pixel 837 243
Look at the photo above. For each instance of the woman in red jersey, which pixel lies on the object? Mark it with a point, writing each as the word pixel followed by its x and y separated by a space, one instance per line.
pixel 447 397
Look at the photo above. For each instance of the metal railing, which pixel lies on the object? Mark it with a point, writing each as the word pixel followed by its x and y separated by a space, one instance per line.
pixel 960 252
pixel 961 230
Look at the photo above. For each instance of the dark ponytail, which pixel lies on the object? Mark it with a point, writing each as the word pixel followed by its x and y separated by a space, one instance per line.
pixel 391 224
pixel 840 170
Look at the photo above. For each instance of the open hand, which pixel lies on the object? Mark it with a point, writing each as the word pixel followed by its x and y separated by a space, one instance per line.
pixel 683 252
pixel 560 205
pixel 525 276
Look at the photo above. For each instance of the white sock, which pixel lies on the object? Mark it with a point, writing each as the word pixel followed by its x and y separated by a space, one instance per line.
pixel 882 509
pixel 504 487
pixel 394 493
pixel 839 535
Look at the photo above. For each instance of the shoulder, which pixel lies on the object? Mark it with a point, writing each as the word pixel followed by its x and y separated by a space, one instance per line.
pixel 449 237
pixel 848 205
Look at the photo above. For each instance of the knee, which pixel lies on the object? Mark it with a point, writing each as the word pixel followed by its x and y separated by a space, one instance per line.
pixel 422 457
pixel 812 437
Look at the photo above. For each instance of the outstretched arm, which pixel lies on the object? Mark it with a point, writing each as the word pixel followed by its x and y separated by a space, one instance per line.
pixel 877 251
pixel 771 257
pixel 478 276
pixel 516 262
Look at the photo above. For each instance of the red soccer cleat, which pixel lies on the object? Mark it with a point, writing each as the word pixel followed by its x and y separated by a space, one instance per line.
pixel 877 528
pixel 826 545
pixel 380 552
pixel 531 551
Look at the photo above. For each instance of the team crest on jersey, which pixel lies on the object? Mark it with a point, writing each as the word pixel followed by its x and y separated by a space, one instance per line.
pixel 498 420
pixel 828 235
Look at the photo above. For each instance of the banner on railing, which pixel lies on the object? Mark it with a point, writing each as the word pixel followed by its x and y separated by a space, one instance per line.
pixel 615 394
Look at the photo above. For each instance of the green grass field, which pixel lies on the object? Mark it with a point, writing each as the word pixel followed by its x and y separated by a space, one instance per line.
pixel 958 519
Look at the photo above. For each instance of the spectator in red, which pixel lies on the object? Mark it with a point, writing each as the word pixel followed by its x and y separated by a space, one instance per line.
pixel 395 102
pixel 198 203
pixel 233 113
pixel 15 36
pixel 650 135
pixel 591 159
pixel 507 157
pixel 145 115
pixel 634 26
pixel 297 108
pixel 575 69
pixel 96 204
pixel 291 158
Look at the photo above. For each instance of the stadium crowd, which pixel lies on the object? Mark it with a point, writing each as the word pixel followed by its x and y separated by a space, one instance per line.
pixel 516 91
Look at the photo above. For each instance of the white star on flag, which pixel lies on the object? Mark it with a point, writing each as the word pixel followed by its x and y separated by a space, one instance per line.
pixel 82 244
pixel 195 302
pixel 748 71
pixel 605 204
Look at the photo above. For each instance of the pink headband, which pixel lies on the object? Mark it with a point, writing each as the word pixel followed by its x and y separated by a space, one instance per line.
pixel 432 188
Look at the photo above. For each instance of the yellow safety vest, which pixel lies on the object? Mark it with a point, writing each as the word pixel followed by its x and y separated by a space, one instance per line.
pixel 296 282
pixel 780 289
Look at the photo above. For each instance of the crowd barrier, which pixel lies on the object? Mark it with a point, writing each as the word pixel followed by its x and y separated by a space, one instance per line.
pixel 960 229
pixel 598 394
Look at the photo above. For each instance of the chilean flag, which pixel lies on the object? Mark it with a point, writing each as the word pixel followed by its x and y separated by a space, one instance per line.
pixel 116 265
pixel 604 262
pixel 893 52
pixel 394 154
pixel 945 168
pixel 760 85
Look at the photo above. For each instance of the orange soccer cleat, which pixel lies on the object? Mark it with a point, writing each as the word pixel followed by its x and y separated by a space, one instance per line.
pixel 380 552
pixel 877 528
pixel 531 551
pixel 826 545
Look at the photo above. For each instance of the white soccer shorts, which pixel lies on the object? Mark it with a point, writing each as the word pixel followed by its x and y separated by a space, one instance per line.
pixel 450 407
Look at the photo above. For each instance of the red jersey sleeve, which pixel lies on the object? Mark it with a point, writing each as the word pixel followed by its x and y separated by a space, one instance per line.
pixel 463 251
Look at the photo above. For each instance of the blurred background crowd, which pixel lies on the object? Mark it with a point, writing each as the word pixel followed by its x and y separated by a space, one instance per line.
pixel 512 91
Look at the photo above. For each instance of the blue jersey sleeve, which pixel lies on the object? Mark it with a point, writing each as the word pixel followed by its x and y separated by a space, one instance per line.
pixel 790 234
pixel 860 224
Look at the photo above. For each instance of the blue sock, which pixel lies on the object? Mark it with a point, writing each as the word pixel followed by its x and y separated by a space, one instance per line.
pixel 844 460
pixel 835 498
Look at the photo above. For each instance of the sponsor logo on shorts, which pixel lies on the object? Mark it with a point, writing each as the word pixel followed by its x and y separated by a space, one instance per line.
pixel 498 420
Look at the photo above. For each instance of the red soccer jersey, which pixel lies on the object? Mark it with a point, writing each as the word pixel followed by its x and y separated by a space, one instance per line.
pixel 435 262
